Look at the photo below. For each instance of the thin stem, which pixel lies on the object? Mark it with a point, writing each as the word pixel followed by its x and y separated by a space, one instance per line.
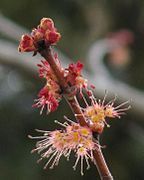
pixel 73 103
pixel 101 165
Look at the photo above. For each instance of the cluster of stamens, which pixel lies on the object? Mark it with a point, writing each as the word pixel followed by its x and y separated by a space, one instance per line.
pixel 99 111
pixel 57 143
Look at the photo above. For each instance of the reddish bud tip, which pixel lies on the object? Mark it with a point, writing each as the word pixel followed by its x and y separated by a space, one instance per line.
pixel 47 24
pixel 26 44
pixel 52 37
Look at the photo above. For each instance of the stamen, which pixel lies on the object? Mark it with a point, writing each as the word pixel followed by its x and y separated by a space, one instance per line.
pixel 69 120
pixel 76 162
pixel 36 137
pixel 68 154
pixel 106 124
pixel 50 159
pixel 42 131
pixel 117 107
pixel 66 123
pixel 36 149
pixel 124 109
pixel 55 160
pixel 38 161
pixel 82 166
pixel 106 93
pixel 88 165
pixel 42 108
pixel 111 102
pixel 56 121
pixel 85 101
pixel 93 100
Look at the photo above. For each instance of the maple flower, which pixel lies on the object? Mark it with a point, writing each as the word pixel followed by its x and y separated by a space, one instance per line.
pixel 48 97
pixel 45 71
pixel 41 37
pixel 97 112
pixel 26 44
pixel 47 24
pixel 74 77
pixel 52 37
pixel 54 144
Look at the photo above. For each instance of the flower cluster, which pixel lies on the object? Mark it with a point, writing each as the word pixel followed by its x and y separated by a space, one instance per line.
pixel 49 96
pixel 97 112
pixel 73 137
pixel 74 77
pixel 44 35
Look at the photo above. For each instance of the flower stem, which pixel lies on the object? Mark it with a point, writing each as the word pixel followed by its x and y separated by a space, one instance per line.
pixel 101 165
pixel 73 103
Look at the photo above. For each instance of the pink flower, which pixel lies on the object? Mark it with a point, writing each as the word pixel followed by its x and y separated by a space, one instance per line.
pixel 97 112
pixel 73 138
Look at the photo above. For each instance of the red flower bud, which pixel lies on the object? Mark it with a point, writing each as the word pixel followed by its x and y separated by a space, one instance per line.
pixel 47 24
pixel 52 37
pixel 26 44
pixel 37 34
